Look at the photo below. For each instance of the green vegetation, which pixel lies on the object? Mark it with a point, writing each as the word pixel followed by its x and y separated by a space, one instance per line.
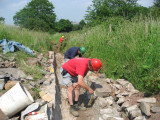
pixel 37 41
pixel 63 26
pixel 100 10
pixel 128 49
pixel 2 20
pixel 37 15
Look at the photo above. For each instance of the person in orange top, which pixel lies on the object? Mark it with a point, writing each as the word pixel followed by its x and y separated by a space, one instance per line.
pixel 72 74
pixel 60 41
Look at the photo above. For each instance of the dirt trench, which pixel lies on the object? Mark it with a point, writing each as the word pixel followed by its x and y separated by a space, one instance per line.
pixel 89 114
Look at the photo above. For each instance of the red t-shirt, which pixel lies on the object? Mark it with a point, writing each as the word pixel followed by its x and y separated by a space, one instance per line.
pixel 61 39
pixel 77 66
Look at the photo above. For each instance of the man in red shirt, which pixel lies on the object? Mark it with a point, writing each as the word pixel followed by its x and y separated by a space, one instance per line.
pixel 60 41
pixel 73 73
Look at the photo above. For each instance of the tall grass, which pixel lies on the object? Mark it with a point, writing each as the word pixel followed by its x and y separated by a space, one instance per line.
pixel 37 41
pixel 130 50
pixel 127 49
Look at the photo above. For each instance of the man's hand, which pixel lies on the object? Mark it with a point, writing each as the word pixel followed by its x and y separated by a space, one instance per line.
pixel 90 91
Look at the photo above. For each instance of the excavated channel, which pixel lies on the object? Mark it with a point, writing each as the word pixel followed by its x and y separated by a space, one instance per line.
pixel 57 111
pixel 61 111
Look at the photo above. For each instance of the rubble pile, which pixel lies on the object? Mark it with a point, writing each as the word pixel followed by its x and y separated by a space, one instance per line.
pixel 112 100
pixel 7 63
pixel 43 90
pixel 119 100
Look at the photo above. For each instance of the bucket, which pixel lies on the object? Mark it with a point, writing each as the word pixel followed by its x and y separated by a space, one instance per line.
pixel 15 100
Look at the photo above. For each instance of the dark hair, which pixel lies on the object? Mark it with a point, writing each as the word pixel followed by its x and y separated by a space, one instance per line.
pixel 90 63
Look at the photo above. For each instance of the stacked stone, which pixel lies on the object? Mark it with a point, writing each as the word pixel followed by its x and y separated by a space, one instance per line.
pixel 115 100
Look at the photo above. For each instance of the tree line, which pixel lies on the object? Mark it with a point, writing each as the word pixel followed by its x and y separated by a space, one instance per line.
pixel 40 15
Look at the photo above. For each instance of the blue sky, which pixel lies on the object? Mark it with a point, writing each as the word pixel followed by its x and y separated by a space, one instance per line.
pixel 74 10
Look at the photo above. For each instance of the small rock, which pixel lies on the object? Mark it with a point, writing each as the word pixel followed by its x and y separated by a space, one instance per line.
pixel 135 113
pixel 124 93
pixel 155 109
pixel 145 108
pixel 140 118
pixel 131 108
pixel 118 86
pixel 105 101
pixel 122 82
pixel 125 105
pixel 109 117
pixel 47 82
pixel 120 101
pixel 32 83
pixel 40 81
pixel 93 78
pixel 148 100
pixel 102 75
pixel 29 78
pixel 103 91
pixel 108 80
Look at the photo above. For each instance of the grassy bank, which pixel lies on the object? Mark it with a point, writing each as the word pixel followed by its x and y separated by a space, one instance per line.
pixel 37 41
pixel 128 49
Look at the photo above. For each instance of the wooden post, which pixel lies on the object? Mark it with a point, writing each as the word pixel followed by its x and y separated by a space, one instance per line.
pixel 110 27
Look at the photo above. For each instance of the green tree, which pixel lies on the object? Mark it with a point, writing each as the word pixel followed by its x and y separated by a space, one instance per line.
pixel 155 9
pixel 64 25
pixel 101 9
pixel 37 15
pixel 157 3
pixel 2 20
pixel 81 24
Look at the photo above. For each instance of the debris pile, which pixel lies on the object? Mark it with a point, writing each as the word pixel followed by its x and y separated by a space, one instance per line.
pixel 14 82
pixel 119 100
pixel 7 63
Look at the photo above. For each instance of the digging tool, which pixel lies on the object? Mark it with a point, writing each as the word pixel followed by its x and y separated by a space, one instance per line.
pixel 92 98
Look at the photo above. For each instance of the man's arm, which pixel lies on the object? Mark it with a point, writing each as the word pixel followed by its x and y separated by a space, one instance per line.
pixel 82 84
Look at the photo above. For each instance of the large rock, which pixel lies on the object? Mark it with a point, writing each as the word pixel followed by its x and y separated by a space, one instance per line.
pixel 135 113
pixel 155 109
pixel 102 90
pixel 122 82
pixel 110 111
pixel 103 102
pixel 108 117
pixel 118 86
pixel 140 118
pixel 131 108
pixel 145 108
pixel 10 84
pixel 148 100
pixel 16 73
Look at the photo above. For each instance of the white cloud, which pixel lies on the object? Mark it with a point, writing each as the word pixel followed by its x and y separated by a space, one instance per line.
pixel 145 3
pixel 18 6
